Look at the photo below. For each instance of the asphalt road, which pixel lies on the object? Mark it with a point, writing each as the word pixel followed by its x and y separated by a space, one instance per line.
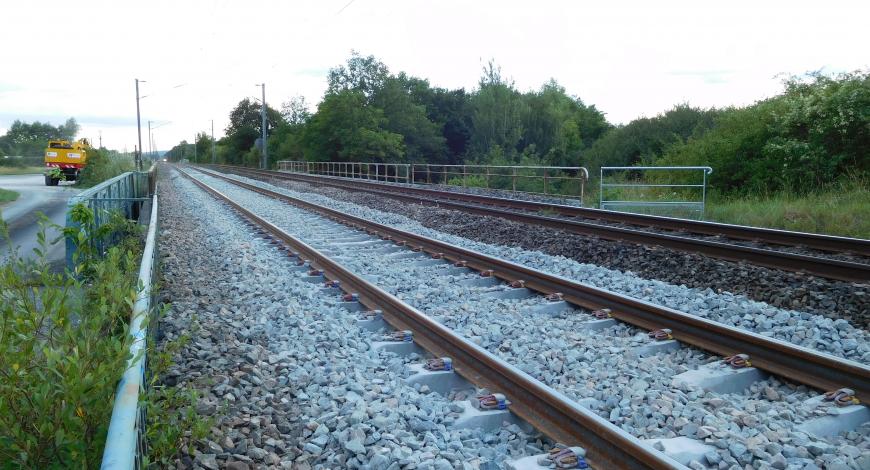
pixel 22 214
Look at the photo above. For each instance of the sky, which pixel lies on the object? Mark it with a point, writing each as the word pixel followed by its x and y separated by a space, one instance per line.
pixel 200 58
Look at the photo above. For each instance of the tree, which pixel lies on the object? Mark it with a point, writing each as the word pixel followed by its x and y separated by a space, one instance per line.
pixel 247 114
pixel 557 126
pixel 295 111
pixel 422 137
pixel 245 127
pixel 496 113
pixel 451 111
pixel 363 74
pixel 645 139
pixel 203 147
pixel 30 139
pixel 346 129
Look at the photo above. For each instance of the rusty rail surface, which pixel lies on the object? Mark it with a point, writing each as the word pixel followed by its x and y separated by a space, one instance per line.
pixel 531 213
pixel 796 363
pixel 548 410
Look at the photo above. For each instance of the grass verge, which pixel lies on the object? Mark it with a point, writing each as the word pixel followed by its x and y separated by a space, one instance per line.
pixel 21 170
pixel 7 195
pixel 843 209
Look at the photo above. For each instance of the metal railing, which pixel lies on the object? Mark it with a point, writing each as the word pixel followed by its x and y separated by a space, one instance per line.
pixel 560 181
pixel 634 190
pixel 123 194
pixel 565 182
pixel 125 441
pixel 387 172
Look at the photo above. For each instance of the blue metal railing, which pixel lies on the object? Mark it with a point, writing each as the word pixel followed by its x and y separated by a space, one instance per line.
pixel 676 199
pixel 123 194
pixel 125 441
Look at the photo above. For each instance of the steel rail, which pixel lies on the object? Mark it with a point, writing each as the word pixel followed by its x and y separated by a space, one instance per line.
pixel 796 363
pixel 816 265
pixel 548 410
pixel 743 232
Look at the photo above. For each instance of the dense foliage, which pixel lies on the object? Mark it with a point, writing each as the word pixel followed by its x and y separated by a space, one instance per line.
pixel 817 131
pixel 64 344
pixel 814 133
pixel 104 164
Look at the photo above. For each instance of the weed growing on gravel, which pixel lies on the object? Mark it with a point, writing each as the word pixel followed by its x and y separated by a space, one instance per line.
pixel 173 422
pixel 64 344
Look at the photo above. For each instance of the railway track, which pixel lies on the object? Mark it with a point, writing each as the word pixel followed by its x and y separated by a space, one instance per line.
pixel 831 257
pixel 607 443
pixel 545 408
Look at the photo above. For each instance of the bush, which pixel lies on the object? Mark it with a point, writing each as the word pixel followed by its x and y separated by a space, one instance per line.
pixel 804 139
pixel 100 167
pixel 64 344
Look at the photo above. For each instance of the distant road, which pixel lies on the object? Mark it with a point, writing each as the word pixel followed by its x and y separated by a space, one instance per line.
pixel 21 215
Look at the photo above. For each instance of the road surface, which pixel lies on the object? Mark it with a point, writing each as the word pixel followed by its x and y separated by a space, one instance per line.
pixel 22 215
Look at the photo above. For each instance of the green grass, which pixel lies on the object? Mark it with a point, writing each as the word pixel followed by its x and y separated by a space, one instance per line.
pixel 20 170
pixel 7 195
pixel 843 209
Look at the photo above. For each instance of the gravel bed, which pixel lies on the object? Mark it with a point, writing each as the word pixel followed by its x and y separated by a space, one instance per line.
pixel 826 297
pixel 287 373
pixel 756 428
pixel 834 336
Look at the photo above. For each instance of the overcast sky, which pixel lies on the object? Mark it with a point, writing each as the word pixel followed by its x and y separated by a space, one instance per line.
pixel 629 58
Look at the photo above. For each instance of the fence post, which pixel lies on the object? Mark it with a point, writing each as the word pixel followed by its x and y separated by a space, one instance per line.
pixel 601 188
pixel 545 181
pixel 704 195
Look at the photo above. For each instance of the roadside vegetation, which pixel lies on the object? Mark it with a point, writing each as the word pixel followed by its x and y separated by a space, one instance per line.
pixel 7 195
pixel 64 344
pixel 778 162
pixel 102 165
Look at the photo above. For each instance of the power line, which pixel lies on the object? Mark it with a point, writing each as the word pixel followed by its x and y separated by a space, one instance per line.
pixel 342 8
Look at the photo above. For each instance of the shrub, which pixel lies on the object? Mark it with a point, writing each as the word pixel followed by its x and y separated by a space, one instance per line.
pixel 100 167
pixel 63 347
pixel 64 344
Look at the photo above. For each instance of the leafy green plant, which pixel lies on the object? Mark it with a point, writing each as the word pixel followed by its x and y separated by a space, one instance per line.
pixel 101 166
pixel 54 172
pixel 64 344
pixel 471 181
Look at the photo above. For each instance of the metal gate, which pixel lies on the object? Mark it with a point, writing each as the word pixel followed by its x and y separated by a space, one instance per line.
pixel 675 191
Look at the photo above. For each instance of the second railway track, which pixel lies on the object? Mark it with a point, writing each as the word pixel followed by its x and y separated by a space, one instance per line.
pixel 785 360
pixel 825 256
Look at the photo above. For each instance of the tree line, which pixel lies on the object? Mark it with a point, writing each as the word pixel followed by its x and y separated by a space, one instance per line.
pixel 25 139
pixel 814 132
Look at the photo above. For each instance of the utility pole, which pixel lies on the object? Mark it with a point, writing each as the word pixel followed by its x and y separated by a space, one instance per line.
pixel 265 153
pixel 194 148
pixel 138 129
pixel 101 139
pixel 150 141
pixel 212 143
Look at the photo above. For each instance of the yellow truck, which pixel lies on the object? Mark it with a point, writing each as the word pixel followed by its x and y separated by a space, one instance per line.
pixel 65 158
